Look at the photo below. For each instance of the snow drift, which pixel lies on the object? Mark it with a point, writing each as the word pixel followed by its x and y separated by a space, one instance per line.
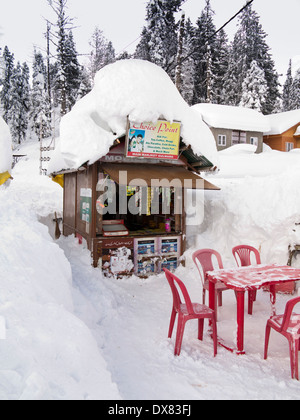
pixel 47 352
pixel 258 204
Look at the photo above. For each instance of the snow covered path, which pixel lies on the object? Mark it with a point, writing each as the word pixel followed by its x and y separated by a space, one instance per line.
pixel 129 319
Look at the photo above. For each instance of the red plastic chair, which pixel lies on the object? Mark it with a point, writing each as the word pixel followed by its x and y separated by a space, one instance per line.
pixel 204 258
pixel 288 325
pixel 187 311
pixel 244 255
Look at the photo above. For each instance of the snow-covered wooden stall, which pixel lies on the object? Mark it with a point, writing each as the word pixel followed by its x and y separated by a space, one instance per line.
pixel 129 152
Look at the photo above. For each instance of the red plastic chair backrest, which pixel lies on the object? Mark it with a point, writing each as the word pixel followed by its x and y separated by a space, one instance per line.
pixel 288 312
pixel 205 257
pixel 176 283
pixel 242 255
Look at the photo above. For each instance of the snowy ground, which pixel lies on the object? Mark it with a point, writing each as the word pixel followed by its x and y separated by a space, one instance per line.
pixel 72 334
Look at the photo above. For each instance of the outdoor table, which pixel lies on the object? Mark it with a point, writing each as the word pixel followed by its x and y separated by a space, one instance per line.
pixel 242 279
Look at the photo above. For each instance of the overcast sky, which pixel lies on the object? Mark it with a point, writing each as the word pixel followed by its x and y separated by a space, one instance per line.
pixel 22 23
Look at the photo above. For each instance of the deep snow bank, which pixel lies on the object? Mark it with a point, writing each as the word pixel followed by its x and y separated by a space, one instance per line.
pixel 259 204
pixel 46 351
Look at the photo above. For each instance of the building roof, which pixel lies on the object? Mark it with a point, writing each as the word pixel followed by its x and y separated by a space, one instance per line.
pixel 232 117
pixel 283 121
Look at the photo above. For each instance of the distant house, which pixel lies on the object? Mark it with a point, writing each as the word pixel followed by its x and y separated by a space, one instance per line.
pixel 284 133
pixel 232 125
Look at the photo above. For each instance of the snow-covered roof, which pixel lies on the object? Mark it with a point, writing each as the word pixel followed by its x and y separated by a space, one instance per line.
pixel 232 117
pixel 136 89
pixel 279 123
pixel 5 147
pixel 297 132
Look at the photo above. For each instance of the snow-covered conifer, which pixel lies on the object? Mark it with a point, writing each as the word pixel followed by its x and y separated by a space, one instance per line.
pixel 102 52
pixel 250 45
pixel 85 85
pixel 211 58
pixel 160 34
pixel 287 90
pixel 254 88
pixel 67 77
pixel 220 67
pixel 188 65
pixel 5 92
pixel 72 71
pixel 295 94
pixel 40 114
pixel 142 50
pixel 20 103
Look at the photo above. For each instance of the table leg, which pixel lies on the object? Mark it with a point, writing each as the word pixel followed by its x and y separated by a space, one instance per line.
pixel 240 297
pixel 212 298
pixel 273 298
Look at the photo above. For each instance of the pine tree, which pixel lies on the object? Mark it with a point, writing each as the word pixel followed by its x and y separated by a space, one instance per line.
pixel 85 85
pixel 62 58
pixel 249 45
pixel 110 54
pixel 178 70
pixel 160 34
pixel 5 93
pixel 40 105
pixel 188 65
pixel 230 88
pixel 211 58
pixel 287 90
pixel 102 53
pixel 254 88
pixel 72 71
pixel 20 103
pixel 53 75
pixel 220 67
pixel 124 56
pixel 142 50
pixel 66 57
pixel 295 92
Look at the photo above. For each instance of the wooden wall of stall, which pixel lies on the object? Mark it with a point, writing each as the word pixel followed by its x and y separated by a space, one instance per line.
pixel 76 186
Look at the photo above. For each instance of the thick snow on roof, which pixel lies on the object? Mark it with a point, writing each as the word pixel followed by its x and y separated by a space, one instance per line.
pixel 136 89
pixel 5 147
pixel 232 117
pixel 279 123
pixel 297 132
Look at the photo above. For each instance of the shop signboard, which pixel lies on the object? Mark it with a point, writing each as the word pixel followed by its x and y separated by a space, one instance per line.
pixel 153 141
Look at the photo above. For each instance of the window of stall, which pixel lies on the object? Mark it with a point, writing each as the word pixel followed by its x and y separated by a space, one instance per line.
pixel 140 209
